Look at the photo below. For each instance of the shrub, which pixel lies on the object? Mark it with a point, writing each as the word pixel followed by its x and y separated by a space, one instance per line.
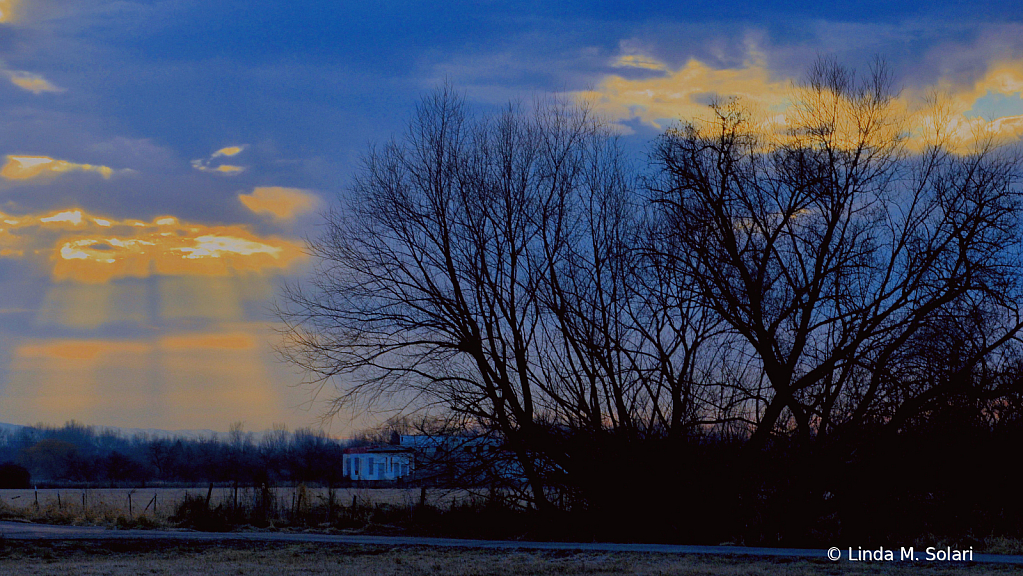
pixel 13 476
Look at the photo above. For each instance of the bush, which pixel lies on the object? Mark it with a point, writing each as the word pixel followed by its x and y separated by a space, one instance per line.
pixel 194 512
pixel 13 476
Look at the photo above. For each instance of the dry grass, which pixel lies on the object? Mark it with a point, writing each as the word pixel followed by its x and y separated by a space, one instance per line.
pixel 170 558
pixel 169 498
pixel 109 506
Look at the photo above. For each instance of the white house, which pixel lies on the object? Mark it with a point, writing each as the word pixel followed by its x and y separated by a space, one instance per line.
pixel 379 463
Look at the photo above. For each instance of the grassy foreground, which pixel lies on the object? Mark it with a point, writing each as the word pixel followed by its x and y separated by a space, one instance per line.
pixel 258 559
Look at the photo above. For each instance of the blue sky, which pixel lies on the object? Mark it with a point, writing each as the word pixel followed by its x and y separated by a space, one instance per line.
pixel 163 160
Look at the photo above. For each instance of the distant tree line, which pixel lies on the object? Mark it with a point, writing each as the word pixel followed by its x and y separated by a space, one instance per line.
pixel 76 454
pixel 770 332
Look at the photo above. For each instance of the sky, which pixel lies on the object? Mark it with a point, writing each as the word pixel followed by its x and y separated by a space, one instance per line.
pixel 162 162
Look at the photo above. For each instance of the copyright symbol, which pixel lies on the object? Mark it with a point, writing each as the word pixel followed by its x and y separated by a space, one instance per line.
pixel 834 554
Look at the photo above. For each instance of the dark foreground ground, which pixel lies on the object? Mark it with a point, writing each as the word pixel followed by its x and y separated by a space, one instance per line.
pixel 233 557
pixel 163 557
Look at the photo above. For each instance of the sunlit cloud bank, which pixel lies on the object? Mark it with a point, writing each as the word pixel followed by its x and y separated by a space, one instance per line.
pixel 34 83
pixel 207 164
pixel 24 167
pixel 8 10
pixel 91 249
pixel 684 92
pixel 282 203
pixel 178 380
pixel 961 113
pixel 96 349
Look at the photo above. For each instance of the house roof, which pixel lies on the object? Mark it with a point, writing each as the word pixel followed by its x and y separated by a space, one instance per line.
pixel 377 450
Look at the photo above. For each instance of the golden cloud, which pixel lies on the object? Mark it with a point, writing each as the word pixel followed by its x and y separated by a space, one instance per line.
pixel 84 350
pixel 97 349
pixel 181 380
pixel 684 93
pixel 20 167
pixel 232 341
pixel 225 169
pixel 8 10
pixel 639 61
pixel 229 151
pixel 96 250
pixel 283 203
pixel 32 82
pixel 952 107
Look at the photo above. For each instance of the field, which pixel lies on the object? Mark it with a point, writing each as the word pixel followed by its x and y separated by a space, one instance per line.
pixel 80 506
pixel 170 558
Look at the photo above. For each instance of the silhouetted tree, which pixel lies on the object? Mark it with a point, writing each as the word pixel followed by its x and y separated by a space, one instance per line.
pixel 804 282
pixel 13 476
pixel 866 281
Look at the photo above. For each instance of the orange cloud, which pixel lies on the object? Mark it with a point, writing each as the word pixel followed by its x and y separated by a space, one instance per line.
pixel 229 151
pixel 235 341
pixel 639 61
pixel 182 380
pixel 283 203
pixel 84 350
pixel 29 167
pixel 96 250
pixel 94 349
pixel 32 82
pixel 8 10
pixel 954 110
pixel 683 94
pixel 225 169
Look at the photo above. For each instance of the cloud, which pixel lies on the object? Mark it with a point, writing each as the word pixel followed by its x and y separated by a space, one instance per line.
pixel 83 350
pixel 21 167
pixel 639 61
pixel 32 82
pixel 91 249
pixel 953 110
pixel 963 111
pixel 179 380
pixel 229 151
pixel 279 202
pixel 205 165
pixel 8 11
pixel 217 341
pixel 683 92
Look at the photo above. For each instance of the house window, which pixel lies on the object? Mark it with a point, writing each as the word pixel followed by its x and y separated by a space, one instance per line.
pixel 357 465
pixel 369 466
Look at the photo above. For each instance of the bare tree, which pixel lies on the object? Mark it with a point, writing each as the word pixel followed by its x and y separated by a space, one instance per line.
pixel 505 273
pixel 478 267
pixel 839 257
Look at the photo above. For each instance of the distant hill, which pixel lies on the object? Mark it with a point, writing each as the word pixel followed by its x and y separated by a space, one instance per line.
pixel 10 427
pixel 149 432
